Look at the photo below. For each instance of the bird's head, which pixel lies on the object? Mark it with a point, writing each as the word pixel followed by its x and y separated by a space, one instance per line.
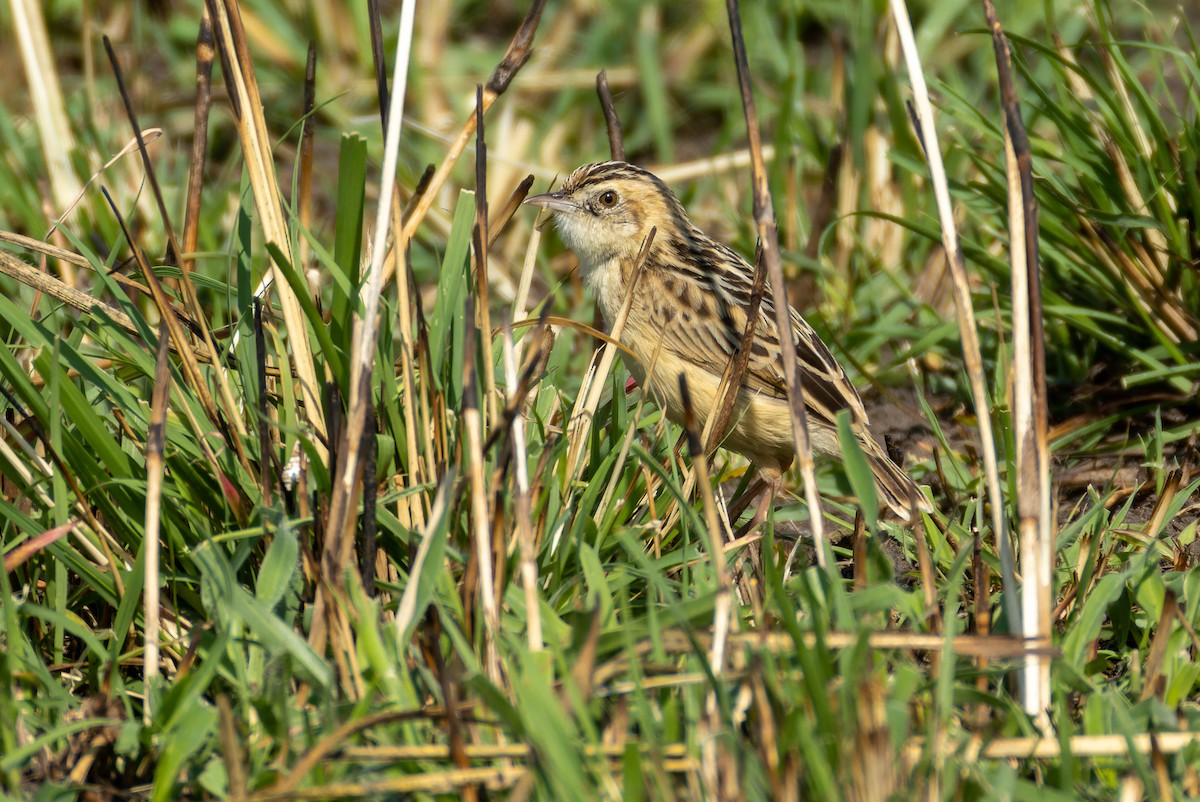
pixel 606 211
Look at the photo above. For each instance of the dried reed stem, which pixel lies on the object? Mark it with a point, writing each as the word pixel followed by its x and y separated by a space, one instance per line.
pixel 189 289
pixel 247 108
pixel 1029 389
pixel 514 58
pixel 768 238
pixel 481 243
pixel 155 440
pixel 481 519
pixel 41 76
pixel 522 505
pixel 339 537
pixel 590 390
pixel 717 767
pixel 616 143
pixel 967 326
pixel 303 203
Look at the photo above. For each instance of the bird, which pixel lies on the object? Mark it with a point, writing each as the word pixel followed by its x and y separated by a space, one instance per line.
pixel 688 315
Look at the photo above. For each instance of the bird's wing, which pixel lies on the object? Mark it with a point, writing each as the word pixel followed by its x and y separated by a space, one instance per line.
pixel 704 316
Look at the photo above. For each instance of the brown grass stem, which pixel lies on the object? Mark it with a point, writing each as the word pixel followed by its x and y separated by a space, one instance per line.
pixel 481 244
pixel 616 143
pixel 514 58
pixel 967 326
pixel 768 238
pixel 246 103
pixel 339 539
pixel 155 442
pixel 1030 413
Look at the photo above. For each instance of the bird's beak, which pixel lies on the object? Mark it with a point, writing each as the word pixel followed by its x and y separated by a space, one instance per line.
pixel 554 201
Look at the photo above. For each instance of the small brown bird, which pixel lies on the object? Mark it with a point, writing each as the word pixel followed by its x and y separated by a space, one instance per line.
pixel 688 315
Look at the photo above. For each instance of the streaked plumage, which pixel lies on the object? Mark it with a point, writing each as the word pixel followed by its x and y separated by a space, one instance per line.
pixel 688 315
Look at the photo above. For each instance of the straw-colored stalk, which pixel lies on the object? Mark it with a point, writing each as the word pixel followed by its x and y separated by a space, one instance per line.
pixel 967 326
pixel 514 58
pixel 1035 565
pixel 1029 390
pixel 199 318
pixel 579 425
pixel 260 166
pixel 522 504
pixel 155 440
pixel 768 238
pixel 339 532
pixel 45 94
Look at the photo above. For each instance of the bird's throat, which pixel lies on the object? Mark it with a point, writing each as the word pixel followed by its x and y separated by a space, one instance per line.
pixel 608 281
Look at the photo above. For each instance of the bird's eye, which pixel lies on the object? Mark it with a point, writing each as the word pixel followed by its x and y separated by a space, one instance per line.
pixel 608 199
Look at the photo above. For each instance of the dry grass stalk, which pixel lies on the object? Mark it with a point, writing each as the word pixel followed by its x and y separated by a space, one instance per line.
pixel 339 533
pixel 1030 412
pixel 1155 238
pixel 189 364
pixel 151 175
pixel 406 610
pixel 967 326
pixel 247 108
pixel 1152 679
pixel 614 478
pixel 395 753
pixel 473 454
pixel 1162 774
pixel 378 60
pixel 433 782
pixel 60 291
pixel 994 647
pixel 41 75
pixel 500 220
pixel 872 763
pixel 155 440
pixel 205 54
pixel 579 425
pixel 113 549
pixel 420 455
pixel 231 747
pixel 18 556
pixel 410 509
pixel 522 506
pixel 718 768
pixel 268 455
pixel 1145 277
pixel 712 522
pixel 981 579
pixel 928 580
pixel 199 318
pixel 480 246
pixel 514 58
pixel 416 506
pixel 56 287
pixel 616 143
pixel 1078 746
pixel 24 468
pixel 768 238
pixel 304 186
pixel 709 165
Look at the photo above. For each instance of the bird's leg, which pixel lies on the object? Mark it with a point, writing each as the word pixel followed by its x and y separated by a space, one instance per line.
pixel 742 502
pixel 772 482
pixel 765 488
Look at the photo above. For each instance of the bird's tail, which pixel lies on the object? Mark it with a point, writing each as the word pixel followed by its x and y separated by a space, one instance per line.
pixel 895 487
